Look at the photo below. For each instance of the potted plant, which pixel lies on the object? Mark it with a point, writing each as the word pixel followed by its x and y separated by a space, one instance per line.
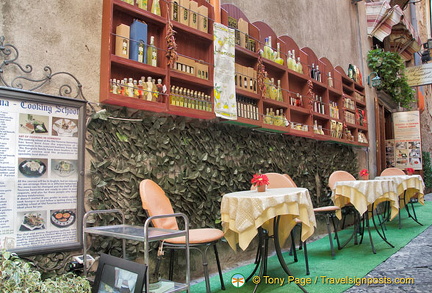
pixel 18 275
pixel 260 181
pixel 390 68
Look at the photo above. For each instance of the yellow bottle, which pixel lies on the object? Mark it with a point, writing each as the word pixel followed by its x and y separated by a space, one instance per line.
pixel 142 4
pixel 278 59
pixel 290 61
pixel 156 7
pixel 299 66
pixel 268 51
pixel 152 53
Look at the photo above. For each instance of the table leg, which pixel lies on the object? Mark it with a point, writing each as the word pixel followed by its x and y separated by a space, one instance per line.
pixel 414 216
pixel 261 256
pixel 381 234
pixel 356 229
pixel 259 253
pixel 279 251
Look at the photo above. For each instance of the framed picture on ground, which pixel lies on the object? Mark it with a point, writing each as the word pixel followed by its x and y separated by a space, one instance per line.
pixel 117 275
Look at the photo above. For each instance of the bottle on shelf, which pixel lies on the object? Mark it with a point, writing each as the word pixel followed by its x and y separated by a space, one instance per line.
pixel 155 9
pixel 149 85
pixel 152 53
pixel 268 51
pixel 278 58
pixel 130 88
pixel 142 4
pixel 136 90
pixel 329 80
pixel 279 96
pixel 299 66
pixel 291 60
pixel 312 72
pixel 317 73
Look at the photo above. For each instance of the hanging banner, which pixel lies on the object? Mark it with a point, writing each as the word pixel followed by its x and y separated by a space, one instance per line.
pixel 419 75
pixel 407 140
pixel 224 70
pixel 41 172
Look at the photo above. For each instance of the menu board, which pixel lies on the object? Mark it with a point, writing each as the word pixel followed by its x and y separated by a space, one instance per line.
pixel 407 140
pixel 41 172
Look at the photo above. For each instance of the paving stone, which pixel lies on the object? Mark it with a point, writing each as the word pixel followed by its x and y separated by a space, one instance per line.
pixel 412 261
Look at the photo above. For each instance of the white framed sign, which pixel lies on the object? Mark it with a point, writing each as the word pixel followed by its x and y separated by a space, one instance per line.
pixel 408 150
pixel 41 172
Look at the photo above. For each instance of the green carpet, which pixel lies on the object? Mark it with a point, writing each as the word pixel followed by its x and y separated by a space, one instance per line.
pixel 327 274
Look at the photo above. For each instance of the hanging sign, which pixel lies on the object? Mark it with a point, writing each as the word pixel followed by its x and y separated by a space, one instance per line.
pixel 407 140
pixel 224 70
pixel 41 172
pixel 419 75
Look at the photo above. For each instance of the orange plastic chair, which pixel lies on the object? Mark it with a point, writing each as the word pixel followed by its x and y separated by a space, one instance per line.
pixel 339 176
pixel 392 172
pixel 329 212
pixel 155 202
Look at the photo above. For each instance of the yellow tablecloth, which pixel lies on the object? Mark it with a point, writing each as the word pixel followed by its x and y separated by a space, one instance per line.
pixel 411 185
pixel 363 193
pixel 243 212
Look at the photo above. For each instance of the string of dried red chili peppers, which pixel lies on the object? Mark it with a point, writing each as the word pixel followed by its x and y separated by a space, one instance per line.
pixel 171 42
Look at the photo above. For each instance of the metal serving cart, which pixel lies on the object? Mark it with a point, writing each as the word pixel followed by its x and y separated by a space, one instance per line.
pixel 145 234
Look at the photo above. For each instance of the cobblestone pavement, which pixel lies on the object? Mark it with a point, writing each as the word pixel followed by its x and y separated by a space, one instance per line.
pixel 412 261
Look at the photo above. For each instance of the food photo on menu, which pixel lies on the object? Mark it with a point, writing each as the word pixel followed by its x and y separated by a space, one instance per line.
pixel 64 127
pixel 32 168
pixel 32 220
pixel 66 169
pixel 63 218
pixel 33 124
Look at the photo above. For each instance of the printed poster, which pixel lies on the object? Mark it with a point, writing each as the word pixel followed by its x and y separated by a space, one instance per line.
pixel 408 152
pixel 224 70
pixel 39 173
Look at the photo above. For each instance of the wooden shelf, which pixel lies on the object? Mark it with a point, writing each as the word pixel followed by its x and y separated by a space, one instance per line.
pixel 245 53
pixel 134 103
pixel 197 46
pixel 182 28
pixel 301 133
pixel 244 122
pixel 190 79
pixel 140 13
pixel 189 112
pixel 247 94
pixel 131 64
pixel 274 128
pixel 275 103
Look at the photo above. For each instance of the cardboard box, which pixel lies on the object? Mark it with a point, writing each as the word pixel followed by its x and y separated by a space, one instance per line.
pixel 202 70
pixel 193 15
pixel 243 27
pixel 122 43
pixel 237 75
pixel 175 10
pixel 203 21
pixel 185 65
pixel 252 79
pixel 184 12
pixel 138 41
